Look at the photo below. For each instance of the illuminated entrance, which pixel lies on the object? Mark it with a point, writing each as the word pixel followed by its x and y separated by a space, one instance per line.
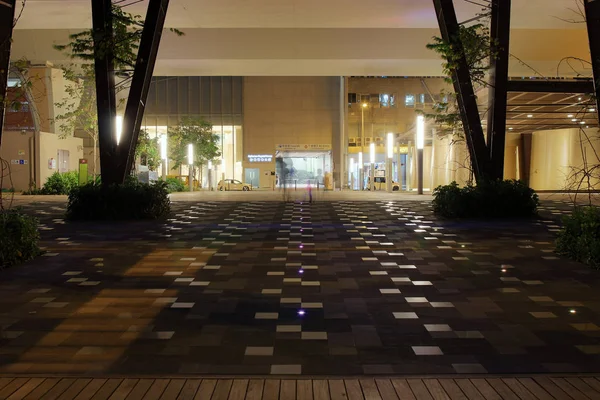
pixel 303 168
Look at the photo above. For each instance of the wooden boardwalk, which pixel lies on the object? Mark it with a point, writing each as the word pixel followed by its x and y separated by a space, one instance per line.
pixel 480 388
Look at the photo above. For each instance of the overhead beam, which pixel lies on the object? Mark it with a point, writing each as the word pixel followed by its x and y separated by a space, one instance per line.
pixel 467 102
pixel 498 90
pixel 7 18
pixel 541 86
pixel 105 88
pixel 140 84
pixel 592 17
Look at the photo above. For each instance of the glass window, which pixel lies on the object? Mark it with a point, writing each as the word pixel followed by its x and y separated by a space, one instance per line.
pixel 422 98
pixel 392 100
pixel 409 100
pixel 384 100
pixel 352 98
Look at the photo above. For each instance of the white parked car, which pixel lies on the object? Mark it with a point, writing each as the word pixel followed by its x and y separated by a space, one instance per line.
pixel 233 184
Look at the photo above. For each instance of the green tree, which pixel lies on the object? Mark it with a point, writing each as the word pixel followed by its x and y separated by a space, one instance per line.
pixel 195 131
pixel 79 108
pixel 80 112
pixel 148 151
pixel 477 50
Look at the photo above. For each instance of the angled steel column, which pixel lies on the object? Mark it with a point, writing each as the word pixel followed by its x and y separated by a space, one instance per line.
pixel 463 87
pixel 7 18
pixel 105 89
pixel 592 17
pixel 498 96
pixel 140 84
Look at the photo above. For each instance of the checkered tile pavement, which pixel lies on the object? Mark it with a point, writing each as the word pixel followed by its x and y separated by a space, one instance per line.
pixel 328 288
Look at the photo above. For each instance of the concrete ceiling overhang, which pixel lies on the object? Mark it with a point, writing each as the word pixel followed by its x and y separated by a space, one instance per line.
pixel 311 37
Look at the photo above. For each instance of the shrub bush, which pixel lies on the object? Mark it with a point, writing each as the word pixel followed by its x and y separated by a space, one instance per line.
pixel 130 201
pixel 579 239
pixel 492 199
pixel 61 183
pixel 18 237
pixel 175 185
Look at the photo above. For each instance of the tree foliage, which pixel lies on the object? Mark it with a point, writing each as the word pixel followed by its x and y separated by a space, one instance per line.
pixel 477 49
pixel 148 151
pixel 79 107
pixel 195 131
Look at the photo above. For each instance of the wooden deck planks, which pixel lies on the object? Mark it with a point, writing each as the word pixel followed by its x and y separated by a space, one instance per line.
pixel 255 389
pixel 504 388
pixel 271 389
pixel 468 389
pixel 238 389
pixel 386 390
pixel 337 389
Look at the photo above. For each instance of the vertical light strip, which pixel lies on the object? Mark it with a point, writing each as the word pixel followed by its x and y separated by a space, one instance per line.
pixel 420 132
pixel 372 151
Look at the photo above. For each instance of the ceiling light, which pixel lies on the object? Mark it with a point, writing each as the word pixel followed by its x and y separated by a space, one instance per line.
pixel 582 122
pixel 592 110
pixel 580 98
pixel 570 116
pixel 574 120
pixel 530 116
pixel 510 129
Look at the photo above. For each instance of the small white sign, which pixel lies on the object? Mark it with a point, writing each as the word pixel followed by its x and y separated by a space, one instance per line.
pixel 253 158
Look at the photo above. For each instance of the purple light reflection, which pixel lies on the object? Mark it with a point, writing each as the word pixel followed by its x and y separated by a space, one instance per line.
pixel 301 312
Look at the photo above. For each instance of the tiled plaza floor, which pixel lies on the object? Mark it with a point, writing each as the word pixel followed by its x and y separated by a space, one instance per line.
pixel 329 288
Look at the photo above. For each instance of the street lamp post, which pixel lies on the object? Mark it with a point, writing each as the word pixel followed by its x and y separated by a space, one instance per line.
pixel 163 155
pixel 372 174
pixel 362 144
pixel 191 166
pixel 210 172
pixel 389 164
pixel 361 170
pixel 351 174
pixel 420 142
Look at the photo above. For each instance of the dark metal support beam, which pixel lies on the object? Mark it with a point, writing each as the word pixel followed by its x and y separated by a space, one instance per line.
pixel 498 95
pixel 540 86
pixel 140 84
pixel 7 18
pixel 592 17
pixel 105 88
pixel 463 87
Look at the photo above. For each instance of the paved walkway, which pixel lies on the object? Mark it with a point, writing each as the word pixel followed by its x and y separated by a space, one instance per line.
pixel 332 288
pixel 522 388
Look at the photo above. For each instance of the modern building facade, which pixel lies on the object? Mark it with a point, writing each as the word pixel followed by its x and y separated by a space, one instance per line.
pixel 316 127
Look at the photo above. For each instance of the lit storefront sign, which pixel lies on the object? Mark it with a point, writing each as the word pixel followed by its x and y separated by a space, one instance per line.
pixel 300 147
pixel 260 158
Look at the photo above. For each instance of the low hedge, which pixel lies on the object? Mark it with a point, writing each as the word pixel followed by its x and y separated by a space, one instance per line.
pixel 175 185
pixel 57 184
pixel 492 199
pixel 132 200
pixel 19 237
pixel 579 239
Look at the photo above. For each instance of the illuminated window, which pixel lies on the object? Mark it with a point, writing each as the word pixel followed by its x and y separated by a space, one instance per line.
pixel 384 100
pixel 409 100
